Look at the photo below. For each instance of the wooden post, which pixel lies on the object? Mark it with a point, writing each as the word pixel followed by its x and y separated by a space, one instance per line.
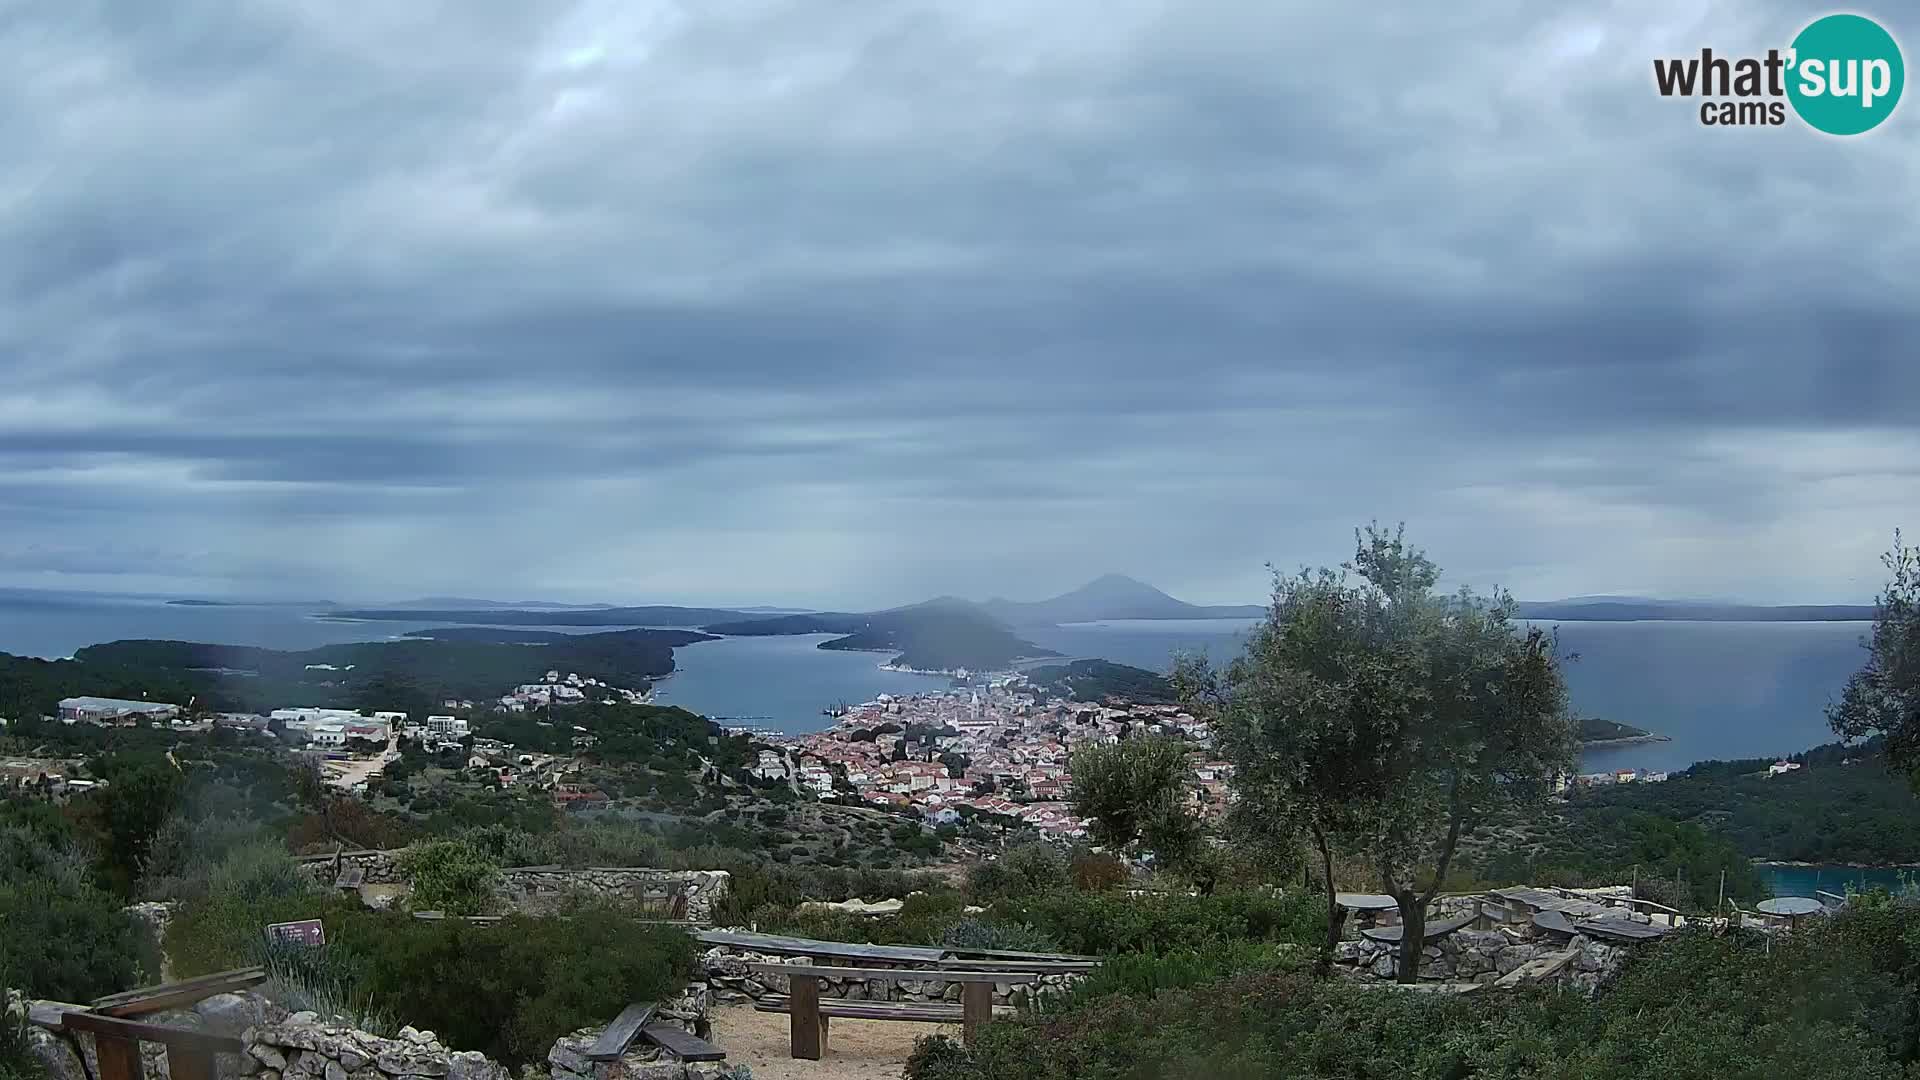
pixel 808 1030
pixel 976 1009
pixel 1721 903
pixel 119 1058
pixel 189 1063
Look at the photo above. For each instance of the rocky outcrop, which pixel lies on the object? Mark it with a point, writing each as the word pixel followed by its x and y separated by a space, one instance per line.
pixel 732 982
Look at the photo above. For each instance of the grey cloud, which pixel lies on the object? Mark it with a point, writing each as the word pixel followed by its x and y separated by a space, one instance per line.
pixel 855 303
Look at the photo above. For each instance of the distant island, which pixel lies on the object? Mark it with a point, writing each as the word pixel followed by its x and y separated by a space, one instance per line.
pixel 658 615
pixel 414 674
pixel 1597 732
pixel 1112 596
pixel 943 635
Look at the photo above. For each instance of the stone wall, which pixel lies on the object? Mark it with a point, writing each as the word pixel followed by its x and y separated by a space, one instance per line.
pixel 153 917
pixel 733 983
pixel 301 1046
pixel 380 867
pixel 1480 956
pixel 539 889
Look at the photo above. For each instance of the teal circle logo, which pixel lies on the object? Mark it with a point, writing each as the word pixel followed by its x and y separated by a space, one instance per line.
pixel 1846 74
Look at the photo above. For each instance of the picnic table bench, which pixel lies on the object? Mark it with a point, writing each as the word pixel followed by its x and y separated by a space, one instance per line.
pixel 809 1015
pixel 633 1023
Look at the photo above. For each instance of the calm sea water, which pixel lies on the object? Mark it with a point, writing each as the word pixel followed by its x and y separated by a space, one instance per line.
pixel 1716 689
pixel 1805 880
pixel 780 682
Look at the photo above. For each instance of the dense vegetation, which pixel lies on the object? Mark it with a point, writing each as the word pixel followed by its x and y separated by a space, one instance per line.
pixel 1844 805
pixel 507 989
pixel 1098 680
pixel 411 676
pixel 1837 1001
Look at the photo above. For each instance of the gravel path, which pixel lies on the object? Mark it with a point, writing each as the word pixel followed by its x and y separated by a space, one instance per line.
pixel 856 1049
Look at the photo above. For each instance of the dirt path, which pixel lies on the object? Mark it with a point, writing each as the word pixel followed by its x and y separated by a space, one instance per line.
pixel 856 1049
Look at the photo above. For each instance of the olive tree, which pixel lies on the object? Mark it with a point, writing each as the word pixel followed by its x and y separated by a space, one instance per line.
pixel 1387 720
pixel 1135 793
pixel 1883 697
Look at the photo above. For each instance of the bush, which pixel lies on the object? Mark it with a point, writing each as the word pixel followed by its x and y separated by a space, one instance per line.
pixel 258 873
pixel 1025 871
pixel 1106 923
pixel 1835 1001
pixel 511 989
pixel 68 944
pixel 972 932
pixel 16 1062
pixel 1150 974
pixel 186 850
pixel 1097 871
pixel 451 876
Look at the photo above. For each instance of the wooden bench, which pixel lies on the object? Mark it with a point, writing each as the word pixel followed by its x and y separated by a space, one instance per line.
pixel 633 1023
pixel 809 1015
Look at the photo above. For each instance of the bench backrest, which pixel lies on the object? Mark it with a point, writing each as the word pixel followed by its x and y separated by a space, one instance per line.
pixel 893 974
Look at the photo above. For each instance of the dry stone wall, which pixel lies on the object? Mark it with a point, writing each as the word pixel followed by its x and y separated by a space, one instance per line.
pixel 301 1046
pixel 1480 956
pixel 732 982
pixel 540 889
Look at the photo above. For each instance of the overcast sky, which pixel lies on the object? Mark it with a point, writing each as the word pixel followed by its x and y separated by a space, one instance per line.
pixel 852 302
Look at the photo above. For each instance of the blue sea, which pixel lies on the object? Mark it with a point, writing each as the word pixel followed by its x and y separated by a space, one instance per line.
pixel 1716 689
pixel 1806 880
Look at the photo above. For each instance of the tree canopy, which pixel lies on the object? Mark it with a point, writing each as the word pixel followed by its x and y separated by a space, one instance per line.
pixel 1386 719
pixel 1883 697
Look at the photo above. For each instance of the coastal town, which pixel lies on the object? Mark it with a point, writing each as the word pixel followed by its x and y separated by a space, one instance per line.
pixel 1000 748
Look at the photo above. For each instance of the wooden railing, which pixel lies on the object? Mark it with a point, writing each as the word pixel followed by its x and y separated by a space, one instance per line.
pixel 117 1038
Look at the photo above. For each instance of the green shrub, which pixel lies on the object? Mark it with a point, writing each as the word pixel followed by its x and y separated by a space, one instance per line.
pixel 1023 872
pixel 511 989
pixel 972 932
pixel 1104 923
pixel 1150 974
pixel 1836 1000
pixel 1097 871
pixel 186 850
pixel 452 876
pixel 68 944
pixel 16 1062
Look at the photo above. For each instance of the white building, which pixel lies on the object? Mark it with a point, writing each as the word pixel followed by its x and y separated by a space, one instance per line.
pixel 447 725
pixel 75 709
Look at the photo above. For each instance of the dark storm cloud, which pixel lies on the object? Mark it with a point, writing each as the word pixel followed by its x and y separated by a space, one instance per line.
pixel 855 303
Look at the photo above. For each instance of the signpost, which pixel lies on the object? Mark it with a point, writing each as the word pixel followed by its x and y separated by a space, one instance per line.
pixel 302 932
